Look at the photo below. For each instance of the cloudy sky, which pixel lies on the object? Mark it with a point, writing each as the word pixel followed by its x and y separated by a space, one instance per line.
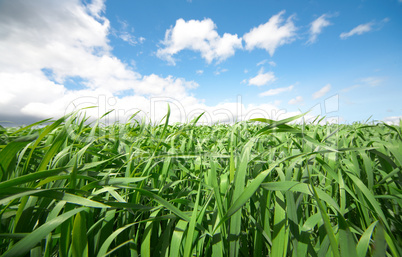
pixel 234 60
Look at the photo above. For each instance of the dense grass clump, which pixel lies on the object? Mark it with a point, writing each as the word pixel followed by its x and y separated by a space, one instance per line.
pixel 260 188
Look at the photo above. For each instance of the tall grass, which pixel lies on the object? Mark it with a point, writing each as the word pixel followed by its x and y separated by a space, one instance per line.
pixel 258 188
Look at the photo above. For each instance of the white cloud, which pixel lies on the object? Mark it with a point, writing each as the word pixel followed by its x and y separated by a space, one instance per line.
pixel 322 91
pixel 297 100
pixel 276 91
pixel 39 57
pixel 365 82
pixel 220 70
pixel 362 28
pixel 198 36
pixel 127 37
pixel 125 34
pixel 155 86
pixel 317 26
pixel 36 40
pixel 262 62
pixel 262 78
pixel 372 81
pixel 272 34
pixel 272 63
pixel 393 120
pixel 96 7
pixel 199 72
pixel 345 90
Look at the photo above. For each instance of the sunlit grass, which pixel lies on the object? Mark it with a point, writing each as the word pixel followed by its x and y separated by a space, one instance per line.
pixel 258 188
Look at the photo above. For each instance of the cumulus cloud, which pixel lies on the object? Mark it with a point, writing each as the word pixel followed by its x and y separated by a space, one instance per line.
pixel 200 36
pixel 364 28
pixel 39 57
pixel 317 26
pixel 263 78
pixel 271 35
pixel 276 91
pixel 296 101
pixel 322 91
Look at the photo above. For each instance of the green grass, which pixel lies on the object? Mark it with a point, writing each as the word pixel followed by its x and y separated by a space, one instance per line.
pixel 257 188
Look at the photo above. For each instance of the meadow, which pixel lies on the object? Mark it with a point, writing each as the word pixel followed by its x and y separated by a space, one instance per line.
pixel 255 188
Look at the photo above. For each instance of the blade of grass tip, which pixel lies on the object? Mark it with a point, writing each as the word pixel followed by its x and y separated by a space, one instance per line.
pixel 29 126
pixel 24 245
pixel 304 239
pixel 163 130
pixel 364 241
pixel 133 116
pixel 106 114
pixel 55 194
pixel 47 130
pixel 31 177
pixel 8 154
pixel 106 244
pixel 194 122
pixel 53 150
pixel 325 218
pixel 274 124
pixel 191 227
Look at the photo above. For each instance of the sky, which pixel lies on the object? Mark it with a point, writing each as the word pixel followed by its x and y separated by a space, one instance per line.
pixel 234 60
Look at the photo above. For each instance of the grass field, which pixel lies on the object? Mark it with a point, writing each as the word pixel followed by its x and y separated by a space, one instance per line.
pixel 261 188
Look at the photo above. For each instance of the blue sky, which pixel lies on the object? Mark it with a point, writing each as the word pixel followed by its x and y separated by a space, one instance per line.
pixel 234 60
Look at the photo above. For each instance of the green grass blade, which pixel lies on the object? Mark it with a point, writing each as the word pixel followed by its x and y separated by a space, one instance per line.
pixel 27 243
pixel 364 241
pixel 31 177
pixel 279 237
pixel 346 240
pixel 79 236
pixel 191 227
